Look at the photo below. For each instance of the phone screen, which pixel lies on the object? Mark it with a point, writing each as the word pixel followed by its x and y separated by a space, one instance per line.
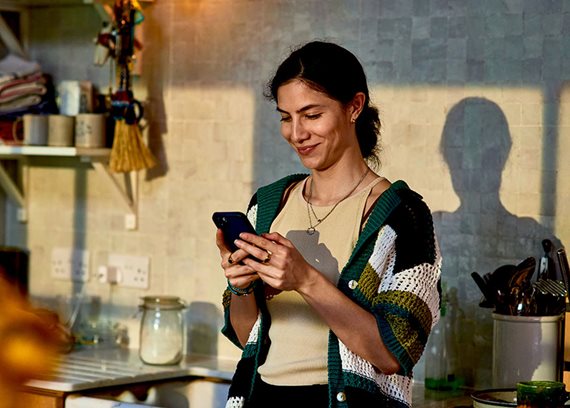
pixel 232 224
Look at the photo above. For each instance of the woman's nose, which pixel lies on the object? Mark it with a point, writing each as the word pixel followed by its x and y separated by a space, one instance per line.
pixel 299 132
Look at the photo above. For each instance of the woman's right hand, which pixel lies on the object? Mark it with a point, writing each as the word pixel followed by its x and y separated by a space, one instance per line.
pixel 243 309
pixel 238 275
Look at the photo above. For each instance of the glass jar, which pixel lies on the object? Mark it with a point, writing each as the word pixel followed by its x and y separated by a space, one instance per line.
pixel 162 330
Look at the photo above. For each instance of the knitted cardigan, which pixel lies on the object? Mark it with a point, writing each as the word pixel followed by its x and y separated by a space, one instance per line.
pixel 393 272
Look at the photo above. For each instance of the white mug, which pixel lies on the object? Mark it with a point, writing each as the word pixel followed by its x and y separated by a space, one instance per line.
pixel 61 129
pixel 35 129
pixel 90 130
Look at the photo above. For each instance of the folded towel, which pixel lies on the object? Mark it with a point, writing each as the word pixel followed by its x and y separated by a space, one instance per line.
pixel 12 66
pixel 20 103
pixel 22 90
pixel 35 77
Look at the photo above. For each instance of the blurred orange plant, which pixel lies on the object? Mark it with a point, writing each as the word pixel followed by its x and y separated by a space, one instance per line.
pixel 30 341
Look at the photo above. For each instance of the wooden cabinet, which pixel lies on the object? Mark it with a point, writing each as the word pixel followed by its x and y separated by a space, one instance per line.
pixel 40 399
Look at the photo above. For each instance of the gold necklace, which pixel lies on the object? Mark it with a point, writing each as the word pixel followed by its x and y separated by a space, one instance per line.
pixel 312 228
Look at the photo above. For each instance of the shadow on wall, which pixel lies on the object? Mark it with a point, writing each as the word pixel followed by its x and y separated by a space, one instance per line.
pixel 481 234
pixel 203 322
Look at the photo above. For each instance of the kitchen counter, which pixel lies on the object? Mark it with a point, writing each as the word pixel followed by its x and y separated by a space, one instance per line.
pixel 102 368
pixel 424 398
pixel 106 367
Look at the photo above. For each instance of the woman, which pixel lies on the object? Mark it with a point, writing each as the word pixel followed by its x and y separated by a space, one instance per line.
pixel 333 302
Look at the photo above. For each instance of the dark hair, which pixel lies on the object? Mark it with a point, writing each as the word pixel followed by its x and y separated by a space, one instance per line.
pixel 336 72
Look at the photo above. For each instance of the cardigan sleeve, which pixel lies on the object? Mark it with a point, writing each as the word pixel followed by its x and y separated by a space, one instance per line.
pixel 227 329
pixel 407 264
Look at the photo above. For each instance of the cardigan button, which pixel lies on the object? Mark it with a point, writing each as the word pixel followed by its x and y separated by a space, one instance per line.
pixel 341 397
pixel 352 284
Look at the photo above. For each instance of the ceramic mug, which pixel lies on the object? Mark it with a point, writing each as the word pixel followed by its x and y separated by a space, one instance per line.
pixel 60 130
pixel 90 130
pixel 541 394
pixel 35 130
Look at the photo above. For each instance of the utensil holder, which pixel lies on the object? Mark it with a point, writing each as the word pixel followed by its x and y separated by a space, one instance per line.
pixel 527 348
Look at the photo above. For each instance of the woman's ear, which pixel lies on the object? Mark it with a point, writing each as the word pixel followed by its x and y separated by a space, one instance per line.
pixel 356 105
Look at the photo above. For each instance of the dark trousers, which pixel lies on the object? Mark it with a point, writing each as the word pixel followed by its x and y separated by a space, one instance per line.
pixel 275 396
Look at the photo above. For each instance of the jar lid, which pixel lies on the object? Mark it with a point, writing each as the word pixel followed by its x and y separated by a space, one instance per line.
pixel 162 302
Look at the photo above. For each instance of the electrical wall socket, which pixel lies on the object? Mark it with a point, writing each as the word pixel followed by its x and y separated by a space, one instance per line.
pixel 70 264
pixel 133 271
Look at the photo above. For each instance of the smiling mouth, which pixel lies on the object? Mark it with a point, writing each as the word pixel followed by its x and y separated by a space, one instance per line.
pixel 306 149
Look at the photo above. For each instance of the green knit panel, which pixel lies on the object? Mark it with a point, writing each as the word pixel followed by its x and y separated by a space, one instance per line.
pixel 336 382
pixel 404 321
pixel 387 202
pixel 367 290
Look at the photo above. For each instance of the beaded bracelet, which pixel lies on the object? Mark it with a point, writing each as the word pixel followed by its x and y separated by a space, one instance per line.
pixel 239 291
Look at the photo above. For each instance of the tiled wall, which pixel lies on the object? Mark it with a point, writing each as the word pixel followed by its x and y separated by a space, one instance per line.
pixel 474 104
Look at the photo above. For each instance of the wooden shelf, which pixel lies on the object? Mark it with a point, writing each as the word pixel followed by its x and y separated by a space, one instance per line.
pixel 57 3
pixel 15 150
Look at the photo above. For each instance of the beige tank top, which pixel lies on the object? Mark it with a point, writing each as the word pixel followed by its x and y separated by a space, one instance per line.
pixel 299 336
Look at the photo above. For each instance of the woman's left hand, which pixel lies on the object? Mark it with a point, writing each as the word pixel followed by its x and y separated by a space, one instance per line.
pixel 277 261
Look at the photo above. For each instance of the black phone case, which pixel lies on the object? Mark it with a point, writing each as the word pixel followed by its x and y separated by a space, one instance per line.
pixel 232 224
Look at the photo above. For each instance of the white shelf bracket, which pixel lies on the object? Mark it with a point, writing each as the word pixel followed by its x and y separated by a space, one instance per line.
pixel 128 195
pixel 14 192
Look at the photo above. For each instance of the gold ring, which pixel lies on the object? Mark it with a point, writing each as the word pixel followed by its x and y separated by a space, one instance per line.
pixel 267 258
pixel 230 260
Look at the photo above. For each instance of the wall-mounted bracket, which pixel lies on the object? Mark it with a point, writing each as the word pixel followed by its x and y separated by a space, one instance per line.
pixel 128 196
pixel 13 191
pixel 97 157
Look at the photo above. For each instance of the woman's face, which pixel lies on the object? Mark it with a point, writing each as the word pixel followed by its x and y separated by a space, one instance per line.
pixel 316 126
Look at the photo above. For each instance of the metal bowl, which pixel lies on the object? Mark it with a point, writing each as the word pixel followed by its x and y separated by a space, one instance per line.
pixel 492 398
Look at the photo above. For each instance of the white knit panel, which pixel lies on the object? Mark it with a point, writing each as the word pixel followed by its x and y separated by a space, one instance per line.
pixel 235 402
pixel 395 386
pixel 384 254
pixel 355 364
pixel 420 280
pixel 252 215
pixel 254 333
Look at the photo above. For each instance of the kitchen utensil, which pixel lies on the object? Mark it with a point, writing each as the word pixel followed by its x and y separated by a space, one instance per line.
pixel 548 286
pixel 498 283
pixel 521 277
pixel 492 398
pixel 520 299
pixel 546 268
pixel 488 296
pixel 549 297
pixel 564 268
pixel 129 152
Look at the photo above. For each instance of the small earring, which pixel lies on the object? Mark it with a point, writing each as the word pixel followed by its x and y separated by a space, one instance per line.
pixel 352 120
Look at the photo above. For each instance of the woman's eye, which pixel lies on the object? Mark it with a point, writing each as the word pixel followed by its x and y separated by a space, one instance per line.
pixel 285 119
pixel 313 116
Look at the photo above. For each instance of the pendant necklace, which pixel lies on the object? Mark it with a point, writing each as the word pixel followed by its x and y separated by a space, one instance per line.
pixel 312 227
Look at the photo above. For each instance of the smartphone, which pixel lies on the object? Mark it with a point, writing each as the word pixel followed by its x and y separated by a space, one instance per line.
pixel 232 224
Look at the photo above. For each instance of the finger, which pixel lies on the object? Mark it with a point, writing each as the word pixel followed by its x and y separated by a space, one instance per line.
pixel 262 241
pixel 220 243
pixel 234 258
pixel 225 253
pixel 256 251
pixel 277 238
pixel 243 281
